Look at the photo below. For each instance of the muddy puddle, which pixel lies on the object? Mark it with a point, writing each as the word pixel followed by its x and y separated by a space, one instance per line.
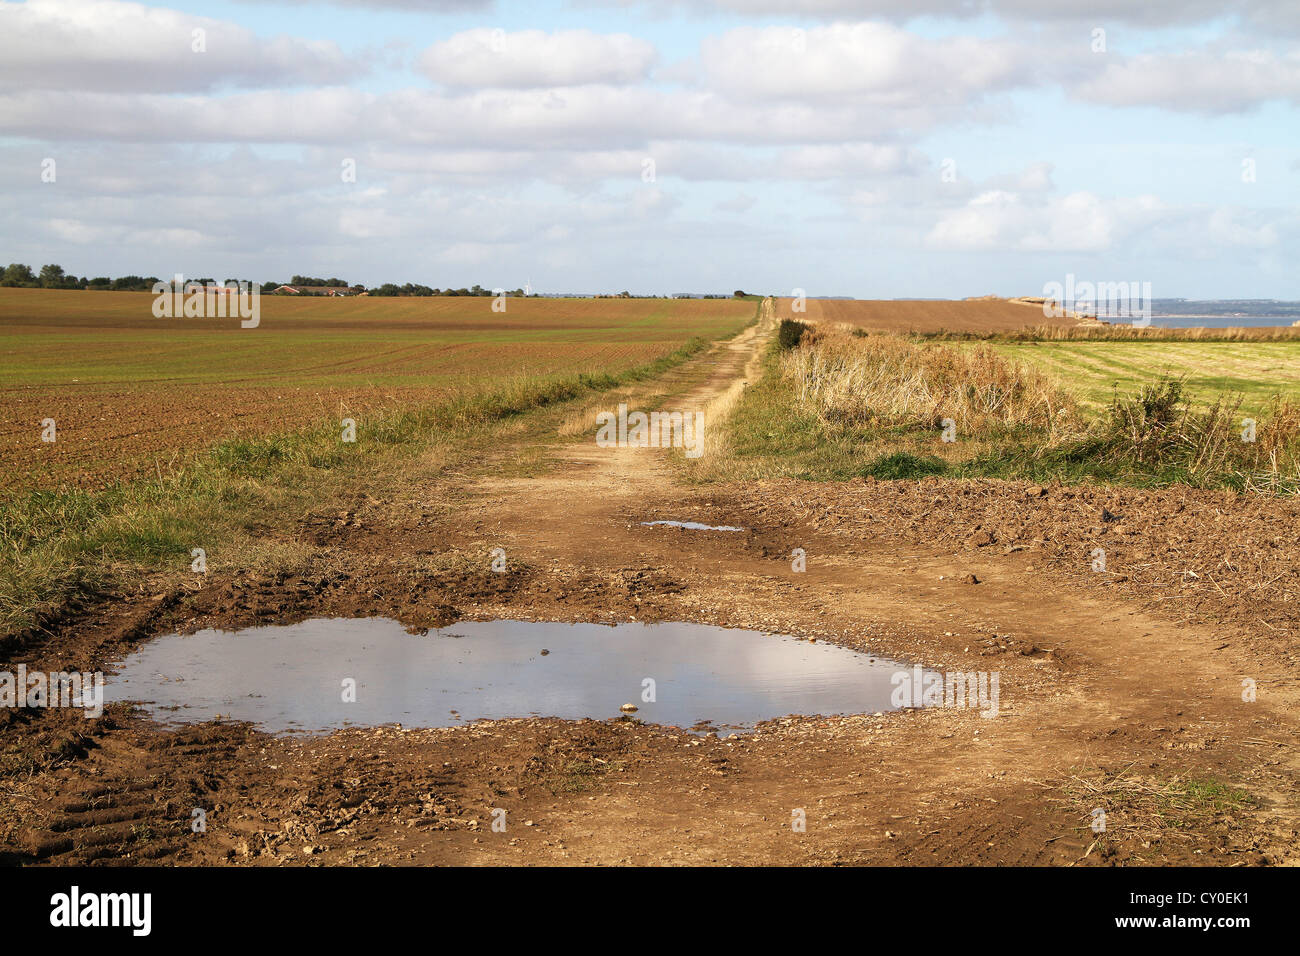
pixel 692 525
pixel 321 675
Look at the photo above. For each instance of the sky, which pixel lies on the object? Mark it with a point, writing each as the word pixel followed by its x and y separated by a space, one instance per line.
pixel 864 148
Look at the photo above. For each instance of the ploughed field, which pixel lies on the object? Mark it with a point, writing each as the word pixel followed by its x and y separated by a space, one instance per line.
pixel 132 394
pixel 922 315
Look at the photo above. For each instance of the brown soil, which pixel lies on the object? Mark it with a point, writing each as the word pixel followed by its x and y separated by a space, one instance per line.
pixel 136 396
pixel 110 435
pixel 923 315
pixel 1120 690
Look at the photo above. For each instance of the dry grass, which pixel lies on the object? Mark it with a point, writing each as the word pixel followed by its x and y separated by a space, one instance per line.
pixel 1124 333
pixel 848 403
pixel 883 379
pixel 1145 809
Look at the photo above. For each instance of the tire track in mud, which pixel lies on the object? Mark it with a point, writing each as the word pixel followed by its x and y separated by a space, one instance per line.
pixel 133 800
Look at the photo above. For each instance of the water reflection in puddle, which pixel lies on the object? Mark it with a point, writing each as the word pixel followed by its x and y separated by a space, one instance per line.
pixel 291 679
pixel 692 525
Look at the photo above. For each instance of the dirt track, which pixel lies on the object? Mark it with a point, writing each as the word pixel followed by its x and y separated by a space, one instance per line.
pixel 1098 679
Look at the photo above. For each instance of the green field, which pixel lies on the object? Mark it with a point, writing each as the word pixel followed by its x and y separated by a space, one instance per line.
pixel 1093 370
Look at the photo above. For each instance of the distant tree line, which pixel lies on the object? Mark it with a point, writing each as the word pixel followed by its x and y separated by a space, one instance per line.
pixel 328 283
pixel 53 277
pixel 412 288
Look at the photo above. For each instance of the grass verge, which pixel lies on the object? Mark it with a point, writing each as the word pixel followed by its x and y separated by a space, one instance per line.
pixel 843 405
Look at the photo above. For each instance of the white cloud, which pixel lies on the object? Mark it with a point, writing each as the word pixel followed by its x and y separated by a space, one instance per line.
pixel 416 6
pixel 82 233
pixel 847 160
pixel 1225 226
pixel 529 145
pixel 864 64
pixel 739 203
pixel 593 117
pixel 532 58
pixel 1199 82
pixel 369 221
pixel 1082 222
pixel 1034 178
pixel 1001 220
pixel 107 46
pixel 1270 16
pixel 1037 177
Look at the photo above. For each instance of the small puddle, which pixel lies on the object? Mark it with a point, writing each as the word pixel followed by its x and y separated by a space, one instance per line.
pixel 693 525
pixel 290 679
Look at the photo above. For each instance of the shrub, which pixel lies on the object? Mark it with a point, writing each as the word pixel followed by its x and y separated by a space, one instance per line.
pixel 790 334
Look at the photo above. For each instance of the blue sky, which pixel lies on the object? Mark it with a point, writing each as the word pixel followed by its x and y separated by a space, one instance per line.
pixel 848 149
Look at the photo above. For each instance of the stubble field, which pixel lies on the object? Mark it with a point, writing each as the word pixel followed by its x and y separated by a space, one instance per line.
pixel 1095 370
